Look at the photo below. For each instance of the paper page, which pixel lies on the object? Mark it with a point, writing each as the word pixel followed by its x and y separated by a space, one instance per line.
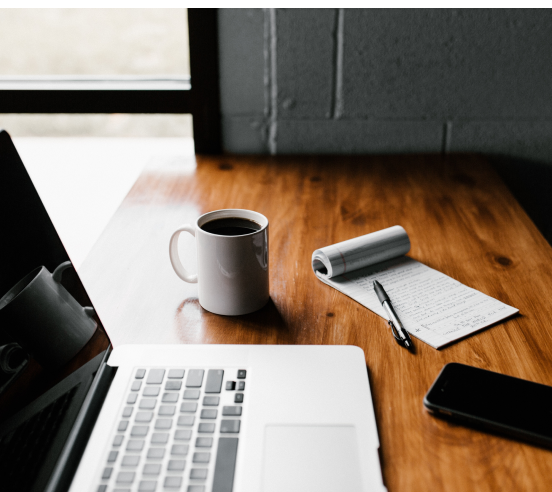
pixel 360 252
pixel 432 306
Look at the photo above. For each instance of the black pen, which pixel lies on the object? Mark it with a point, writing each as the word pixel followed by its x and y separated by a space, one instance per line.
pixel 400 334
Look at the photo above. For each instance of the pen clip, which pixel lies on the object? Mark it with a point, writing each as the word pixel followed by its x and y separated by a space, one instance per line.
pixel 396 335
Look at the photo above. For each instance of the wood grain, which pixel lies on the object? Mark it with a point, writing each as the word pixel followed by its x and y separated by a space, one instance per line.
pixel 461 219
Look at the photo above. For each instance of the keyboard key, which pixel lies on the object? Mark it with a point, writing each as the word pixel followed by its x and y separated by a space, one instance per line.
pixel 147 486
pixel 151 391
pixel 176 374
pixel 140 373
pixel 136 385
pixel 241 374
pixel 167 410
pixel 238 398
pixel 139 431
pixel 186 420
pixel 155 376
pixel 195 488
pixel 123 424
pixel 163 424
pixel 188 407
pixel 191 395
pixel 173 385
pixel 209 413
pixel 102 488
pixel 160 438
pixel 135 445
pixel 205 428
pixel 127 412
pixel 204 442
pixel 147 403
pixel 195 378
pixel 198 473
pixel 183 435
pixel 211 401
pixel 170 397
pixel 172 482
pixel 130 460
pixel 229 426
pixel 241 385
pixel 156 453
pixel 152 469
pixel 202 457
pixel 225 464
pixel 214 380
pixel 144 416
pixel 132 398
pixel 176 465
pixel 117 441
pixel 112 456
pixel 107 473
pixel 125 477
pixel 231 411
pixel 179 450
pixel 230 385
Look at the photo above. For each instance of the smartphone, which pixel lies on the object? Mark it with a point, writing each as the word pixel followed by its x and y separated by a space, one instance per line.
pixel 489 400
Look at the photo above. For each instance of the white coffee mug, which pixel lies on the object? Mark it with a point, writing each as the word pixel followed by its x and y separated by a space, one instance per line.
pixel 232 270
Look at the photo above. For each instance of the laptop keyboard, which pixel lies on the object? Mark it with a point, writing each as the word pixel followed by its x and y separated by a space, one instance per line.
pixel 179 430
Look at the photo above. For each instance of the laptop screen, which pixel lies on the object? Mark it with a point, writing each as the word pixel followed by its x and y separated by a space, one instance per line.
pixel 48 327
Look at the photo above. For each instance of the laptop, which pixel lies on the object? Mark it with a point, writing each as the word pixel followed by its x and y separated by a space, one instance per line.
pixel 192 418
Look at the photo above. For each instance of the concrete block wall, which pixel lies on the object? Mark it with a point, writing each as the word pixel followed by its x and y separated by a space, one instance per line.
pixel 387 81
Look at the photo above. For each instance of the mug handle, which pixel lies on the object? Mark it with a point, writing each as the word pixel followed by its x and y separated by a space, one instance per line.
pixel 175 259
pixel 58 272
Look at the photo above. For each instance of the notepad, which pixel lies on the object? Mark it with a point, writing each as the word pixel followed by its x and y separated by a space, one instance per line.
pixel 432 306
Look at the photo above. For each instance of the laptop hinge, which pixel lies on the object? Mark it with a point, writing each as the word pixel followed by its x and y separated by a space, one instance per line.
pixel 71 454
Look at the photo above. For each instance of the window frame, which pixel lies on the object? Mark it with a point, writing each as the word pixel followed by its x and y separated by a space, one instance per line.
pixel 197 95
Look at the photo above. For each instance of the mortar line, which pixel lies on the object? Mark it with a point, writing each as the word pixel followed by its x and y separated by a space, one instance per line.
pixel 266 68
pixel 273 116
pixel 447 136
pixel 337 110
pixel 333 79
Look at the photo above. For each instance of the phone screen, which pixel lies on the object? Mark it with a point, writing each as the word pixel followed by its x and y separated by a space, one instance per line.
pixel 490 398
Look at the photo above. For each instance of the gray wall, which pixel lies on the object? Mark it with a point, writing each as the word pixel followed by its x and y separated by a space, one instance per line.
pixel 387 81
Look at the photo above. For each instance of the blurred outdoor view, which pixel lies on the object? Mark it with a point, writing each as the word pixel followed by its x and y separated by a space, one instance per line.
pixel 94 42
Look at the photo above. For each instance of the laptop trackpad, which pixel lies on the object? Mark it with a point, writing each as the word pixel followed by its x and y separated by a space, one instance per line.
pixel 323 458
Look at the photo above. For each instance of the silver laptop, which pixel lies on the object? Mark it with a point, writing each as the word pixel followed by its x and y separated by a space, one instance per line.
pixel 192 418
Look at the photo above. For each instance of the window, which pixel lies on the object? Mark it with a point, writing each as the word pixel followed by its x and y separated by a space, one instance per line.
pixel 144 81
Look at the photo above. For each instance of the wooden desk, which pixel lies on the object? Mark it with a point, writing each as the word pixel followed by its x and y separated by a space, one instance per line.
pixel 461 219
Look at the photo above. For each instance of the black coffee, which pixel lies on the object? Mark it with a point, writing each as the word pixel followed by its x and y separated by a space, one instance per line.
pixel 231 226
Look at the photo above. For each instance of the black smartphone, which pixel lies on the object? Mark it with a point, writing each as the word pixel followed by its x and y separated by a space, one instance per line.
pixel 489 400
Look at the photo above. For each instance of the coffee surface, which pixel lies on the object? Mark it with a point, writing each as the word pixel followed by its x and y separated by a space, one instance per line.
pixel 231 226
